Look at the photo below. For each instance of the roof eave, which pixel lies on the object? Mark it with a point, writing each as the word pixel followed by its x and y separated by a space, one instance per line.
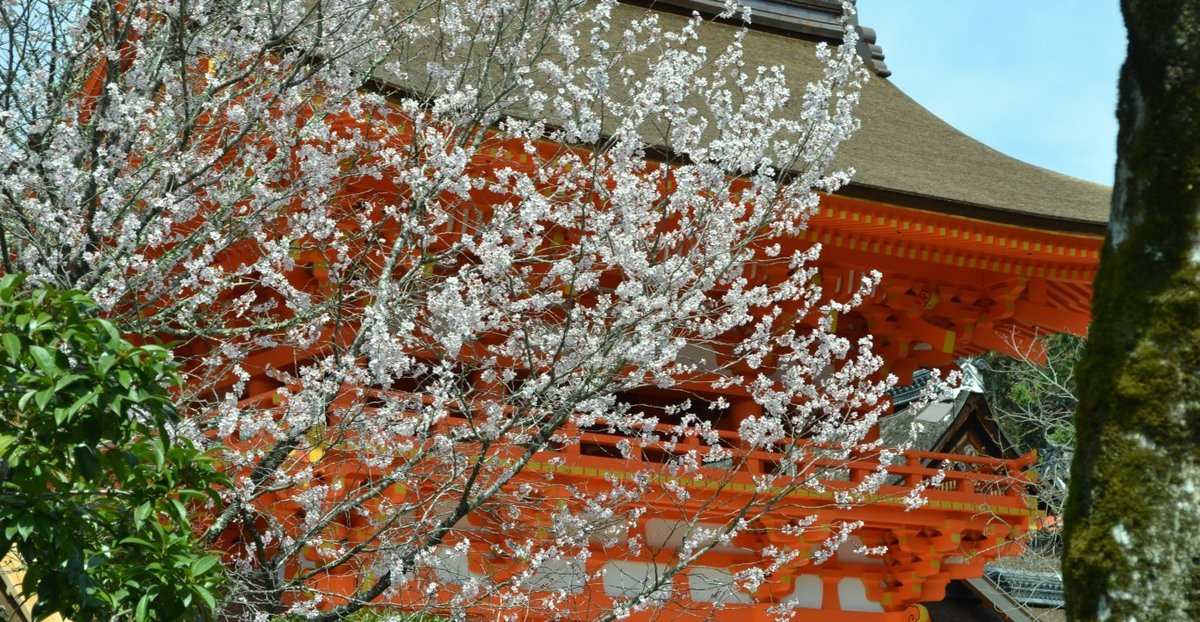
pixel 973 211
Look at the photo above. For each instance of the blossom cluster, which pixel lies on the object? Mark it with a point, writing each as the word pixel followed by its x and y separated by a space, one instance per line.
pixel 415 255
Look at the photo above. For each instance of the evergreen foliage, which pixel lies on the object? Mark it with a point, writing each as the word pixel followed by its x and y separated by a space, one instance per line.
pixel 94 489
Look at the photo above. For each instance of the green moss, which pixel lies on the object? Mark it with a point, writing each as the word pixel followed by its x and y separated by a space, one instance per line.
pixel 1133 521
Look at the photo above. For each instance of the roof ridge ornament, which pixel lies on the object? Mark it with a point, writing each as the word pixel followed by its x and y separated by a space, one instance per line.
pixel 809 19
pixel 871 52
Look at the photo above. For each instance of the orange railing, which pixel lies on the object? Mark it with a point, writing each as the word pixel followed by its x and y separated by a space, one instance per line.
pixel 964 482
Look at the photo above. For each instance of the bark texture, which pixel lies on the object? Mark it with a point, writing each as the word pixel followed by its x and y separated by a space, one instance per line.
pixel 1133 518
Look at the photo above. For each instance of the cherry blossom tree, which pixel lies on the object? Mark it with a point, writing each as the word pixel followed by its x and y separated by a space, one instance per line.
pixel 419 258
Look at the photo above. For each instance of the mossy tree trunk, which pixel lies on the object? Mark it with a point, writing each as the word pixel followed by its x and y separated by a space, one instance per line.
pixel 1133 518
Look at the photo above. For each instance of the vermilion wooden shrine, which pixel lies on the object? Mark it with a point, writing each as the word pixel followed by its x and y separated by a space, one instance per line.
pixel 979 253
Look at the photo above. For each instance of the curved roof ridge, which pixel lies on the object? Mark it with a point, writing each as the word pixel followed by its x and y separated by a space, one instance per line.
pixel 909 153
pixel 904 148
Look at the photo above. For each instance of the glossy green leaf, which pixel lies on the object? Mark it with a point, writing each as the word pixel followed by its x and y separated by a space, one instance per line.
pixel 67 381
pixel 142 513
pixel 6 441
pixel 44 360
pixel 12 346
pixel 203 565
pixel 206 596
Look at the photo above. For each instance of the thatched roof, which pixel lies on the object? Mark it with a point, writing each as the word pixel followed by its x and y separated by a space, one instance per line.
pixel 906 155
pixel 905 149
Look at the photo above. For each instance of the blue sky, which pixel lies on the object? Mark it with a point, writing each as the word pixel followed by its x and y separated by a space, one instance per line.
pixel 1035 79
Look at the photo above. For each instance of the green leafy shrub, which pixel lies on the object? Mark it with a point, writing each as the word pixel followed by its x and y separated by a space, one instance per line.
pixel 94 490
